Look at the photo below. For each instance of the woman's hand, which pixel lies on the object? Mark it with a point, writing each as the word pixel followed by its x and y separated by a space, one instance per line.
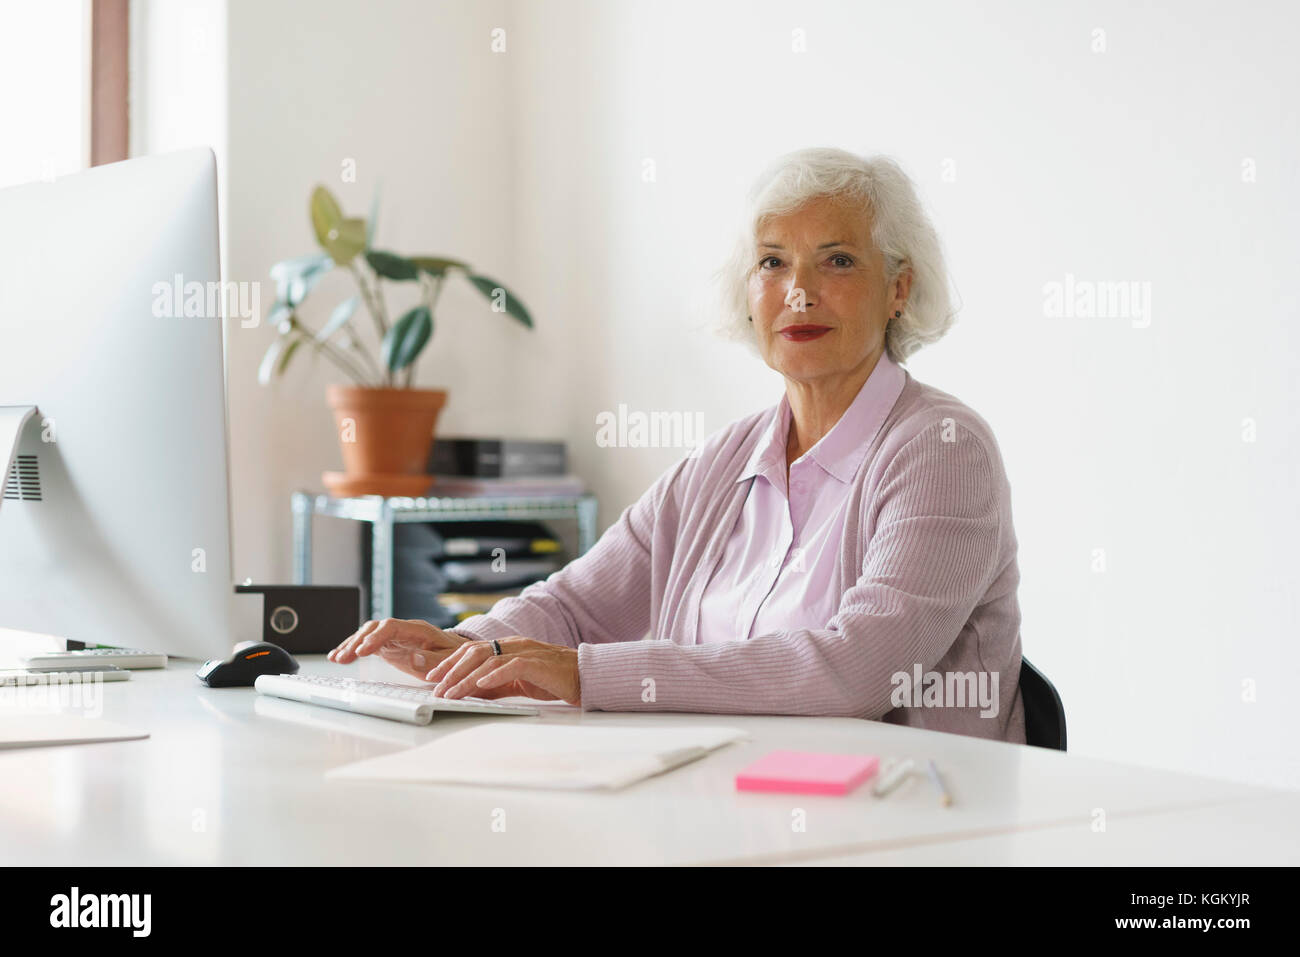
pixel 413 645
pixel 525 668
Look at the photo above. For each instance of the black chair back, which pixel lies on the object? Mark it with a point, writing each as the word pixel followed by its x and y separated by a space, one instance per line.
pixel 1044 712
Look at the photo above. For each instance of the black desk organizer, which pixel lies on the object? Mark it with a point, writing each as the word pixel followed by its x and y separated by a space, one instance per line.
pixel 307 619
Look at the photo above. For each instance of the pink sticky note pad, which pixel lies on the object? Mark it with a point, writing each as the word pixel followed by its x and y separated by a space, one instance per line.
pixel 807 772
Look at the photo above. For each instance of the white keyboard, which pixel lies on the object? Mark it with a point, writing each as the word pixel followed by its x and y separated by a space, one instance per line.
pixel 380 699
pixel 94 658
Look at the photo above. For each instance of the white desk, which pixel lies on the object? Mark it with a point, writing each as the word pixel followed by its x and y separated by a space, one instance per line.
pixel 1258 831
pixel 231 777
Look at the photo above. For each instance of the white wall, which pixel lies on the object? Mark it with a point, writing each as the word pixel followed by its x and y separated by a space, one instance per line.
pixel 1116 165
pixel 178 78
pixel 45 79
pixel 1121 165
pixel 408 92
pixel 178 89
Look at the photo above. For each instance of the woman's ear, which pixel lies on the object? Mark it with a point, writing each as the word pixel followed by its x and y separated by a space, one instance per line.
pixel 903 285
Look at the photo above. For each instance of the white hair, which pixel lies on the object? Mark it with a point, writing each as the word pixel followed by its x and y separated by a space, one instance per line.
pixel 900 229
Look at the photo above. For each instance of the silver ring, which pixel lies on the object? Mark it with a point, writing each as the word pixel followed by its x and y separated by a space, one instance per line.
pixel 496 647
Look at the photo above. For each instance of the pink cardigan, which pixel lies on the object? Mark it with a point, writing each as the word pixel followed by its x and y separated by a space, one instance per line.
pixel 927 573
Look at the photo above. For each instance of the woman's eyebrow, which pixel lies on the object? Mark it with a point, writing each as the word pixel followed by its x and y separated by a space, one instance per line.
pixel 822 246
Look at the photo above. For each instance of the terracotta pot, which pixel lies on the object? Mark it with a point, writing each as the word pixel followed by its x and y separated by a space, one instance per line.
pixel 385 431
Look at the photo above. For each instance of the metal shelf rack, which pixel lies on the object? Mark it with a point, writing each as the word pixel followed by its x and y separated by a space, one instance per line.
pixel 383 513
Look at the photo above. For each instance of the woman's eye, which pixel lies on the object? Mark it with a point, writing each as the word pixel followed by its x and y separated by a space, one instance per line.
pixel 772 261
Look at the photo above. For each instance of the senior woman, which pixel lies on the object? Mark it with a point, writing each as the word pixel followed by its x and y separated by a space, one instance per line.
pixel 848 551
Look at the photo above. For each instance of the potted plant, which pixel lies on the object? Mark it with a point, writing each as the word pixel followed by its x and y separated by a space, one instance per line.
pixel 385 425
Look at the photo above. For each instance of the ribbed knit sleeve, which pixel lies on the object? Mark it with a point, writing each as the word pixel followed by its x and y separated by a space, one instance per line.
pixel 601 596
pixel 933 551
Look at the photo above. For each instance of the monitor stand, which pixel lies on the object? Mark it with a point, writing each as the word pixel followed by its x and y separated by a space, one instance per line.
pixel 13 419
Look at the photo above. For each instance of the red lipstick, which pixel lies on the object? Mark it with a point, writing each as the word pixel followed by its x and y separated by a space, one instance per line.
pixel 804 333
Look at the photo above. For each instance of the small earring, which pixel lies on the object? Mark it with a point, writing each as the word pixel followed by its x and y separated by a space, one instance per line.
pixel 897 313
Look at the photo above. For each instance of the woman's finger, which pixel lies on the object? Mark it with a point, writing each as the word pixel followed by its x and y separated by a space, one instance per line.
pixel 501 691
pixel 397 631
pixel 344 652
pixel 455 668
pixel 412 662
pixel 548 679
pixel 389 630
pixel 468 685
pixel 508 672
pixel 343 645
pixel 436 671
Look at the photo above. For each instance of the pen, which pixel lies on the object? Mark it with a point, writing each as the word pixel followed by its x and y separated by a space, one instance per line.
pixel 944 797
pixel 893 778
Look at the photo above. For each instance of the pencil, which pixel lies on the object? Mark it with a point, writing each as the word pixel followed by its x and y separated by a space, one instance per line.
pixel 944 797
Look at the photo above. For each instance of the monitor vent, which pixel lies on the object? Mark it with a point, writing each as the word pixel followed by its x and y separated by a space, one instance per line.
pixel 24 480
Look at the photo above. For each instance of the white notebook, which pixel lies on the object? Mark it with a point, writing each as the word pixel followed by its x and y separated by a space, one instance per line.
pixel 34 729
pixel 544 756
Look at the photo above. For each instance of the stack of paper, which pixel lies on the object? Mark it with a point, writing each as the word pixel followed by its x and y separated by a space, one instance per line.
pixel 544 756
pixel 33 730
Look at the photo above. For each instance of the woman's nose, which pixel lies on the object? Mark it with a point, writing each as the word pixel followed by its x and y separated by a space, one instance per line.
pixel 801 294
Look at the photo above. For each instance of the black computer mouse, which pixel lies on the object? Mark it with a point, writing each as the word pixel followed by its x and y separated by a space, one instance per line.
pixel 250 659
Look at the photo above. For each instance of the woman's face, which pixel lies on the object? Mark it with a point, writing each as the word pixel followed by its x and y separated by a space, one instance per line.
pixel 817 267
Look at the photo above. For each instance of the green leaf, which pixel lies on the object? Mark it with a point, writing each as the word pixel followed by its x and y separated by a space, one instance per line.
pixel 279 313
pixel 294 278
pixel 513 306
pixel 348 240
pixel 374 218
pixel 391 265
pixel 341 238
pixel 407 337
pixel 338 318
pixel 325 215
pixel 267 369
pixel 436 265
pixel 296 289
pixel 287 354
pixel 288 268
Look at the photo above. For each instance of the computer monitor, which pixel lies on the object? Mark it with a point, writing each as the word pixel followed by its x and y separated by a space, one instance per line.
pixel 115 516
